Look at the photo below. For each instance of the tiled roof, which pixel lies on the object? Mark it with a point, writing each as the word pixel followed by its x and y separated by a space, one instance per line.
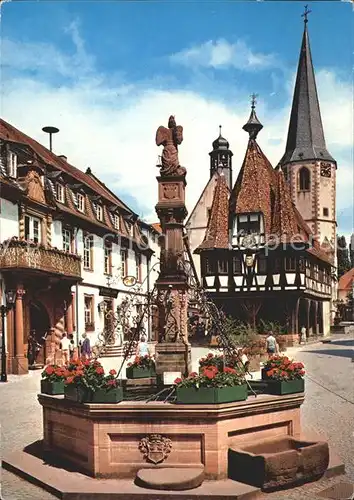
pixel 217 233
pixel 283 220
pixel 255 186
pixel 259 188
pixel 157 227
pixel 44 157
pixel 10 133
pixel 346 281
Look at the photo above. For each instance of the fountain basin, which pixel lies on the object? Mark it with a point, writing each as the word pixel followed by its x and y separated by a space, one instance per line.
pixel 277 463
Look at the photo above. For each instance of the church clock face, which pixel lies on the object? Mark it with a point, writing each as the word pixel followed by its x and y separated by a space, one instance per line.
pixel 326 170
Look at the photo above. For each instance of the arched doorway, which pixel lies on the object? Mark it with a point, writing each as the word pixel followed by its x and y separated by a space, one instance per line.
pixel 40 326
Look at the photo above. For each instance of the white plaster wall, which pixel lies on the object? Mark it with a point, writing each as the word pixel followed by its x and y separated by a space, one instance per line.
pixel 198 220
pixel 8 220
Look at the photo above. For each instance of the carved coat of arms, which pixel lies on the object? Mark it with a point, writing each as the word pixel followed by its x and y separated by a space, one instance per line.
pixel 155 448
pixel 170 191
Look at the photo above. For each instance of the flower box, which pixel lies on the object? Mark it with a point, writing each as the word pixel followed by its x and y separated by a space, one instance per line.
pixel 83 395
pixel 52 388
pixel 211 395
pixel 143 372
pixel 281 387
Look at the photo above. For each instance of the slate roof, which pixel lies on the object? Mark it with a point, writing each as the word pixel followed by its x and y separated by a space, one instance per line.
pixel 305 135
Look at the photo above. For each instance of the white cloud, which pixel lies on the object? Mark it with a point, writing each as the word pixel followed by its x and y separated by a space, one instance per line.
pixel 111 128
pixel 222 54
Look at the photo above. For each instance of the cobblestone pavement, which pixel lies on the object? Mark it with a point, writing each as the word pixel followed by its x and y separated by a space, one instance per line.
pixel 328 410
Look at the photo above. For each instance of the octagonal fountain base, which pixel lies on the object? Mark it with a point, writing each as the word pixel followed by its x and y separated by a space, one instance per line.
pixel 97 450
pixel 117 440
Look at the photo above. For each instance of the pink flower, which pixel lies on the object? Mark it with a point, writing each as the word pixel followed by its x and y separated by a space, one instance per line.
pixel 112 372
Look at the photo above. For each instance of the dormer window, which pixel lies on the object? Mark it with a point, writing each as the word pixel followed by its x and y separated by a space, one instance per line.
pixel 249 224
pixel 116 221
pixel 80 199
pixel 60 192
pixel 12 165
pixel 98 210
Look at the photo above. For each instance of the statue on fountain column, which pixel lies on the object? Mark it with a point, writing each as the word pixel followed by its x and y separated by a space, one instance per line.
pixel 170 138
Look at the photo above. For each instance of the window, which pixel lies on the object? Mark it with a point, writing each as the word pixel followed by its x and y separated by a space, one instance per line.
pixel 325 212
pixel 209 265
pixel 138 267
pixel 60 192
pixel 124 263
pixel 236 264
pixel 107 257
pixel 67 240
pixel 88 252
pixel 276 265
pixel 223 267
pixel 304 179
pixel 116 221
pixel 290 264
pixel 262 264
pixel 12 165
pixel 33 228
pixel 248 224
pixel 80 202
pixel 89 312
pixel 98 210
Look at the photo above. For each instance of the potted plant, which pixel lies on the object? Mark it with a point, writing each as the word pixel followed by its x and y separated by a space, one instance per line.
pixel 211 386
pixel 142 367
pixel 53 377
pixel 86 382
pixel 283 375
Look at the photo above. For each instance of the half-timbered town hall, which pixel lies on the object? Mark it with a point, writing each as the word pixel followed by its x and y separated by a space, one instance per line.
pixel 265 246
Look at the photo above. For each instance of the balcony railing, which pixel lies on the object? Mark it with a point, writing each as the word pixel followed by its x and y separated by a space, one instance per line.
pixel 21 254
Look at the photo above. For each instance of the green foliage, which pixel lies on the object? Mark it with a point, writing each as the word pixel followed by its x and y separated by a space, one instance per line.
pixel 342 256
pixel 211 376
pixel 274 326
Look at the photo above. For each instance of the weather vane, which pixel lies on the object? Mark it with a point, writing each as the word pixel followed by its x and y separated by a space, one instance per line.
pixel 306 13
pixel 253 100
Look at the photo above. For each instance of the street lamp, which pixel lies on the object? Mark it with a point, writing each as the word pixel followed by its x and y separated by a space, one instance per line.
pixel 10 296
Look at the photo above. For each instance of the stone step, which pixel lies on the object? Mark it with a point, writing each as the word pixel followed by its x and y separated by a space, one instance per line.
pixel 170 479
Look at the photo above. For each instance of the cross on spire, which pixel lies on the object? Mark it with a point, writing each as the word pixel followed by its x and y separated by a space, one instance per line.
pixel 306 13
pixel 253 100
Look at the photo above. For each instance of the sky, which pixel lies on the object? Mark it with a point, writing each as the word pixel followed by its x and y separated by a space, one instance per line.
pixel 108 74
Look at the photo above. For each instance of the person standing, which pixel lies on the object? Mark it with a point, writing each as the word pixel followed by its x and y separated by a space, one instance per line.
pixel 85 347
pixel 142 348
pixel 65 348
pixel 271 344
pixel 303 335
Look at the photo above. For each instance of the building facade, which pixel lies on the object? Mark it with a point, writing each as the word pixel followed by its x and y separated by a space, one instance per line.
pixel 67 242
pixel 270 239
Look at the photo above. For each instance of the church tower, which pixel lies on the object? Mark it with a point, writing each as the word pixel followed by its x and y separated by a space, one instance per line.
pixel 221 159
pixel 308 167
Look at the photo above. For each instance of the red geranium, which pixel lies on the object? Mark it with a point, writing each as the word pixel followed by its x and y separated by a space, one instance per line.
pixel 54 373
pixel 282 368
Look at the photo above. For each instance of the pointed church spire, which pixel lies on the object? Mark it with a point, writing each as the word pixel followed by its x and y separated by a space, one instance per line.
pixel 253 126
pixel 305 135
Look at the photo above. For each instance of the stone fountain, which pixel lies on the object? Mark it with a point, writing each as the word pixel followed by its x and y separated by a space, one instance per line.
pixel 180 445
